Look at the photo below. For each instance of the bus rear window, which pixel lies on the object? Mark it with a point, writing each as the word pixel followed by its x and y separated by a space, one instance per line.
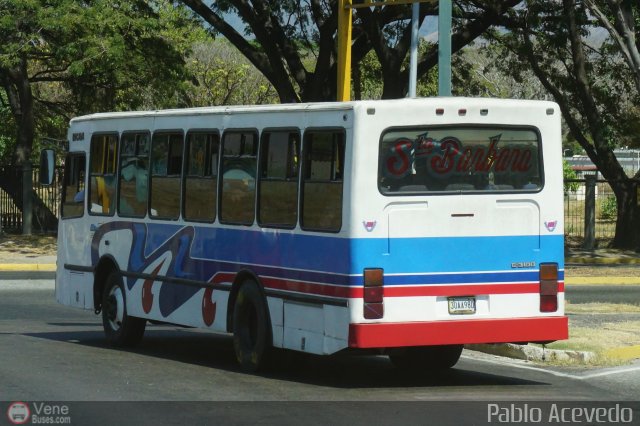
pixel 466 159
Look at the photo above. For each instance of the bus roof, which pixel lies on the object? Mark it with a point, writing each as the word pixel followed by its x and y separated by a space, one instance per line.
pixel 461 102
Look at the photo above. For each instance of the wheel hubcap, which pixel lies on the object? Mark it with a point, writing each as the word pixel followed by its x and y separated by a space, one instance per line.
pixel 115 310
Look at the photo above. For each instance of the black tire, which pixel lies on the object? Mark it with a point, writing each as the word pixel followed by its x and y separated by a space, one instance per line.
pixel 120 329
pixel 426 358
pixel 251 328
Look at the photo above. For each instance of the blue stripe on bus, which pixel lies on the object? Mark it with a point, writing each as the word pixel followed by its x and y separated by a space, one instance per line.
pixel 455 254
pixel 339 261
pixel 323 259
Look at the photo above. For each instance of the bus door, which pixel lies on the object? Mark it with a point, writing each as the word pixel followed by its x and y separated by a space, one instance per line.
pixel 73 251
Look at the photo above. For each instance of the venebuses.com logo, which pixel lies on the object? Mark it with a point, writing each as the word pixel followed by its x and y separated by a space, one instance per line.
pixel 20 413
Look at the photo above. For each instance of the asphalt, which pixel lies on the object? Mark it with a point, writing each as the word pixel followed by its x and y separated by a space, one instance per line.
pixel 43 267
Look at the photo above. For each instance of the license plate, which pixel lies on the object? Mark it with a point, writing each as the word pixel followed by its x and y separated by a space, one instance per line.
pixel 462 305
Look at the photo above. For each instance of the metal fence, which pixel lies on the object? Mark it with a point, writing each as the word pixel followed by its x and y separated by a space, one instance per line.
pixel 11 213
pixel 574 209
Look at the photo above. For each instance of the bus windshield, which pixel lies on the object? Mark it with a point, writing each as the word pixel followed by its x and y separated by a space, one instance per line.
pixel 474 159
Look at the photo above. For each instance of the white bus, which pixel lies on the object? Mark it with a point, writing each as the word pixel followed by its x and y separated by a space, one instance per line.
pixel 409 226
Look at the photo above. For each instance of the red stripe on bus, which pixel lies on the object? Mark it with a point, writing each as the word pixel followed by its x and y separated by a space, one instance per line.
pixel 355 292
pixel 464 289
pixel 454 332
pixel 312 288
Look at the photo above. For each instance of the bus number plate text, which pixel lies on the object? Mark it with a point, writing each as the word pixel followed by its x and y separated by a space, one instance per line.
pixel 462 305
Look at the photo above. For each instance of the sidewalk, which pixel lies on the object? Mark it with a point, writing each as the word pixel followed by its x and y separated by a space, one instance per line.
pixel 601 256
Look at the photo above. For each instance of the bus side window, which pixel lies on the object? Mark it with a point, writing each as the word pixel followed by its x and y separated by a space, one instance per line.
pixel 237 201
pixel 278 184
pixel 166 172
pixel 134 174
pixel 201 177
pixel 102 171
pixel 323 173
pixel 73 190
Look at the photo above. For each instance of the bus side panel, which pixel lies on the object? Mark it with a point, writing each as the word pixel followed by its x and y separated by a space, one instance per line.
pixel 314 328
pixel 165 267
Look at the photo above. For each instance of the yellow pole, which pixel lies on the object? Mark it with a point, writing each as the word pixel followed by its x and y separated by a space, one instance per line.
pixel 344 50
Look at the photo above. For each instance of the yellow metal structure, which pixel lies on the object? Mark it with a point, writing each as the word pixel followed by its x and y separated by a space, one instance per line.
pixel 344 38
pixel 344 50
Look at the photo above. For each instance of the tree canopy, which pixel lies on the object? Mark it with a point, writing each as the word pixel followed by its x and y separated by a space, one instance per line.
pixel 594 82
pixel 293 43
pixel 63 57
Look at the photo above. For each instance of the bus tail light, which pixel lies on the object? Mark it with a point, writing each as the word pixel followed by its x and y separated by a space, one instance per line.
pixel 548 287
pixel 373 298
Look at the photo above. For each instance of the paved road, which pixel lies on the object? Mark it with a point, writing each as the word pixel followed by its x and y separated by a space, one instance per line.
pixel 54 353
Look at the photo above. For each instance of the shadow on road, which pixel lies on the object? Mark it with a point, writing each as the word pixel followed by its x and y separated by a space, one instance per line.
pixel 344 370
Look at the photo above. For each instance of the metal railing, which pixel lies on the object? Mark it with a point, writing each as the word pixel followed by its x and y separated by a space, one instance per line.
pixel 575 199
pixel 11 213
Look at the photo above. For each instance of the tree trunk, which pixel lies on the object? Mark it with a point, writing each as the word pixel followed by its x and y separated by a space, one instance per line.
pixel 18 87
pixel 627 223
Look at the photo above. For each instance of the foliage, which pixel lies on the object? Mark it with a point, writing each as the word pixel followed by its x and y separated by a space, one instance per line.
pixel 60 58
pixel 569 173
pixel 7 129
pixel 595 81
pixel 293 44
pixel 222 76
pixel 608 208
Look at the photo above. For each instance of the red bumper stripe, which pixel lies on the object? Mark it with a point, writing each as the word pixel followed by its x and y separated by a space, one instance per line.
pixel 381 335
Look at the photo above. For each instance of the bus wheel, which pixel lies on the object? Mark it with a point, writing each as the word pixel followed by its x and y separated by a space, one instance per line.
pixel 251 329
pixel 427 358
pixel 120 329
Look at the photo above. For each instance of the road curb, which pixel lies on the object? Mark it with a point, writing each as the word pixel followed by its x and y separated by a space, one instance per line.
pixel 533 353
pixel 27 267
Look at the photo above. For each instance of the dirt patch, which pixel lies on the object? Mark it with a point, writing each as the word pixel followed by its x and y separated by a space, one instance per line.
pixel 601 308
pixel 13 245
pixel 602 271
pixel 606 340
pixel 611 331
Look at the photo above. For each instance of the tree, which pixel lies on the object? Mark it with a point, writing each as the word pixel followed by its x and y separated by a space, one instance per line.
pixel 104 54
pixel 293 42
pixel 91 55
pixel 593 84
pixel 622 20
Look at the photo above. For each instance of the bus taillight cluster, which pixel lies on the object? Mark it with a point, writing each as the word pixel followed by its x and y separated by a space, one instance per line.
pixel 373 297
pixel 548 287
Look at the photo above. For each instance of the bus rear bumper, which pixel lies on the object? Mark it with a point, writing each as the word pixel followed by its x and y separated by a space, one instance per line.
pixel 496 330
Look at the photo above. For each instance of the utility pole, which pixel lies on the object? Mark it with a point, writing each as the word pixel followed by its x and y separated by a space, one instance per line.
pixel 345 21
pixel 444 47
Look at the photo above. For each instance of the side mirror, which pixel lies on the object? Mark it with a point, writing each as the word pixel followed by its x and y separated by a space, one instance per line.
pixel 47 166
